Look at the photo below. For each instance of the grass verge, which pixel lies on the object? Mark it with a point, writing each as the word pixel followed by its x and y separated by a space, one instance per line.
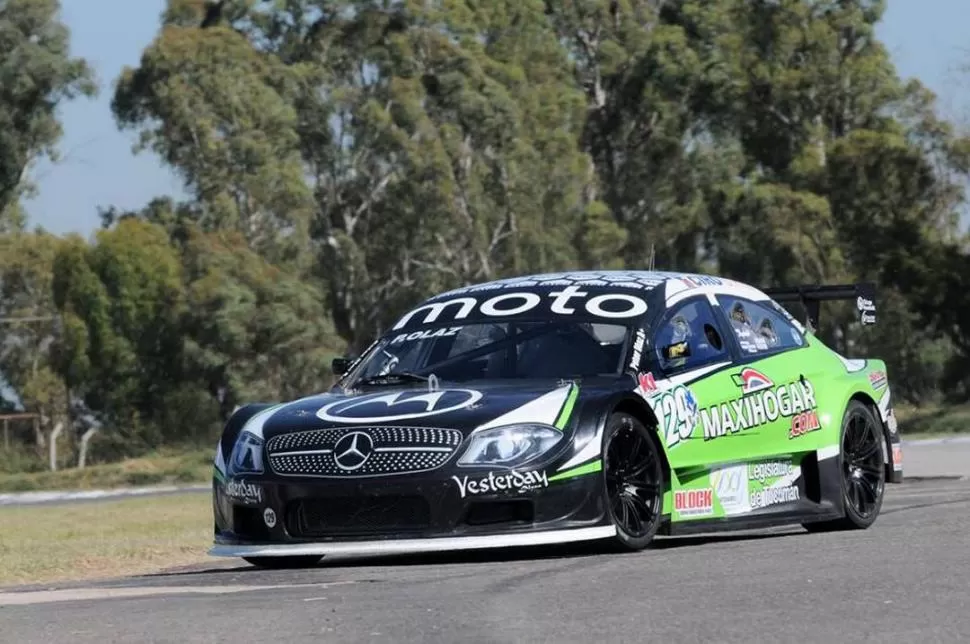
pixel 103 539
pixel 933 421
pixel 164 468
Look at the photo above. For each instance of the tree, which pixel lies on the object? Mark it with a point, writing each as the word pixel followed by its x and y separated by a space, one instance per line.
pixel 252 331
pixel 842 161
pixel 210 104
pixel 121 301
pixel 658 156
pixel 36 75
pixel 438 144
pixel 29 328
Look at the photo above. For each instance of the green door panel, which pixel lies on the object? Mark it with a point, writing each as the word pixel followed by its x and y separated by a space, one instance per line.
pixel 760 409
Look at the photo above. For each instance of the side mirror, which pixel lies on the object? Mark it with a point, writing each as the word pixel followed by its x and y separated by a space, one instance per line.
pixel 675 350
pixel 340 366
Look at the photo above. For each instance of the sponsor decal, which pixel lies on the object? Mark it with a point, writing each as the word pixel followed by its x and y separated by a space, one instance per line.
pixel 878 379
pixel 444 332
pixel 769 470
pixel 646 383
pixel 696 281
pixel 565 301
pixel 373 408
pixel 694 503
pixel 502 482
pixel 731 487
pixel 750 341
pixel 269 517
pixel 897 458
pixel 638 343
pixel 765 405
pixel 677 350
pixel 751 380
pixel 803 423
pixel 774 496
pixel 867 310
pixel 677 412
pixel 244 491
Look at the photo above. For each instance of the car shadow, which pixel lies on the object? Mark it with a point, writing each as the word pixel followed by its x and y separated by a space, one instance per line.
pixel 492 555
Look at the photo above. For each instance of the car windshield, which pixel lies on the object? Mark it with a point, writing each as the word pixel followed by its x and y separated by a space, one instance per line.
pixel 497 350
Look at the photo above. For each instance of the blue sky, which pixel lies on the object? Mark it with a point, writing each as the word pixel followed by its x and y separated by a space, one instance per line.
pixel 98 168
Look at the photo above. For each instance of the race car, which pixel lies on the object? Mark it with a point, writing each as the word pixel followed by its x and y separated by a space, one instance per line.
pixel 608 406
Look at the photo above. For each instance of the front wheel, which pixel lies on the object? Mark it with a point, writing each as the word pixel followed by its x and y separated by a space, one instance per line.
pixel 634 475
pixel 284 563
pixel 862 471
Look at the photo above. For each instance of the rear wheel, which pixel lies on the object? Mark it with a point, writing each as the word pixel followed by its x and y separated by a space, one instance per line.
pixel 634 476
pixel 285 563
pixel 862 471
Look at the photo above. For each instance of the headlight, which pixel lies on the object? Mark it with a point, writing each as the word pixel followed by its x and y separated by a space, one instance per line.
pixel 247 455
pixel 510 446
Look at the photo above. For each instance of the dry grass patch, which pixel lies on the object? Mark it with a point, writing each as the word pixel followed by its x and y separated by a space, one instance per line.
pixel 163 468
pixel 104 538
pixel 933 420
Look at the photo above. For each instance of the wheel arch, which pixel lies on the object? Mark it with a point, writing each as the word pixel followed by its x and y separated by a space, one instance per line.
pixel 639 409
pixel 873 406
pixel 235 423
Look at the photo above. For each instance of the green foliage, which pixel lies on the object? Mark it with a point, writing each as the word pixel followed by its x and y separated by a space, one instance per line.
pixel 252 331
pixel 220 119
pixel 36 74
pixel 30 342
pixel 121 300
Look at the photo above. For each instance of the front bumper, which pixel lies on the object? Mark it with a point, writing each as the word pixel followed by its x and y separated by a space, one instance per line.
pixel 271 516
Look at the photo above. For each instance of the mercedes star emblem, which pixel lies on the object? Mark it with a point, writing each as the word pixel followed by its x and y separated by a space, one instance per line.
pixel 353 450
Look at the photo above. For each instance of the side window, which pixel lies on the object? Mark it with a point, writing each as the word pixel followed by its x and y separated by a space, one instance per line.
pixel 689 338
pixel 758 327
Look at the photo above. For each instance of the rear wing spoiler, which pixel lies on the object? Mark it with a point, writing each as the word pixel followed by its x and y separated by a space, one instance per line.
pixel 810 296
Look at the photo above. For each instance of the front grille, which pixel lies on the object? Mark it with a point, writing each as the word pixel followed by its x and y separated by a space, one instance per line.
pixel 357 515
pixel 361 452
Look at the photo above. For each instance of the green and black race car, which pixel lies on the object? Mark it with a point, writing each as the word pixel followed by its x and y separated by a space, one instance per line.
pixel 612 405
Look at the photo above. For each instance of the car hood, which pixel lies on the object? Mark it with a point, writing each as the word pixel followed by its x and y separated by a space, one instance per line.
pixel 465 408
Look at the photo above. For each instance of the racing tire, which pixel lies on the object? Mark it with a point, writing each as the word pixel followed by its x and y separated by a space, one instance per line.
pixel 633 473
pixel 284 563
pixel 862 471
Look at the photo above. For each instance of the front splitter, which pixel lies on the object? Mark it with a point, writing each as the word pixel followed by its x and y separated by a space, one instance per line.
pixel 405 546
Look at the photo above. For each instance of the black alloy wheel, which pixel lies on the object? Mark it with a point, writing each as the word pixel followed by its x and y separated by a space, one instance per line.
pixel 634 475
pixel 862 470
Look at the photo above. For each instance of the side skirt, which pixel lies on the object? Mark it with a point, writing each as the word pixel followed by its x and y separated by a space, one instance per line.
pixel 819 486
pixel 748 522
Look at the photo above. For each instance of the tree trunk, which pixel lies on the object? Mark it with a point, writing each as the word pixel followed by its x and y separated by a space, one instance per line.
pixel 58 428
pixel 39 435
pixel 83 450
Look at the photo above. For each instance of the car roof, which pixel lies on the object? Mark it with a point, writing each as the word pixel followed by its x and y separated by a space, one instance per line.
pixel 626 279
pixel 630 286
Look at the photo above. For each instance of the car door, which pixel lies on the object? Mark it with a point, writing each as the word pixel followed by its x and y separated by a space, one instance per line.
pixel 685 365
pixel 772 402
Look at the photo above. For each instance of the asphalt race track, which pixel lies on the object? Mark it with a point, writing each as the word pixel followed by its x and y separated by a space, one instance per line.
pixel 905 579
